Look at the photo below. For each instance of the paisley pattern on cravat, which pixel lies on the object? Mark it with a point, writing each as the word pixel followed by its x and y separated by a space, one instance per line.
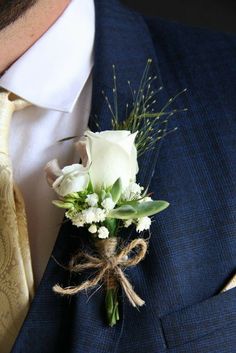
pixel 16 278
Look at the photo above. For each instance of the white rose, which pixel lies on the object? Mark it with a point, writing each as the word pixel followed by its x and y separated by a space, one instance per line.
pixel 73 178
pixel 111 155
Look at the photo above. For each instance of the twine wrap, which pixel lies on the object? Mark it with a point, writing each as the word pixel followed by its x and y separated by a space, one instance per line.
pixel 110 266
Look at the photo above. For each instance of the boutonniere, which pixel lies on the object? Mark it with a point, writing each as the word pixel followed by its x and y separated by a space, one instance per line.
pixel 101 194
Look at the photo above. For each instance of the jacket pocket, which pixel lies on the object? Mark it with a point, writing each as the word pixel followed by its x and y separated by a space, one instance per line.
pixel 198 320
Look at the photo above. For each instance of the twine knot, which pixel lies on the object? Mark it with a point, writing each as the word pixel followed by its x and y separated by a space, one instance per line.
pixel 110 266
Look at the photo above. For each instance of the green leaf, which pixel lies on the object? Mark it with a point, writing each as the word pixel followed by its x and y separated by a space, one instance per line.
pixel 103 195
pixel 108 194
pixel 90 187
pixel 70 200
pixel 138 209
pixel 122 212
pixel 62 204
pixel 111 224
pixel 73 195
pixel 149 208
pixel 116 190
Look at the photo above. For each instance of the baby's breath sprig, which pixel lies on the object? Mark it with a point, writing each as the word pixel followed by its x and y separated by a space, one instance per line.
pixel 150 125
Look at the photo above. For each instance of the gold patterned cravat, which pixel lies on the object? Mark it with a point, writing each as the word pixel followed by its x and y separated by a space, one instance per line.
pixel 16 279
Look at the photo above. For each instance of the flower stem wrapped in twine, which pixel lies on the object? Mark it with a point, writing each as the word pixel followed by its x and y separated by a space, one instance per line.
pixel 110 266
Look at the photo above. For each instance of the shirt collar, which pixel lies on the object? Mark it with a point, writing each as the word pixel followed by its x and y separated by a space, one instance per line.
pixel 51 74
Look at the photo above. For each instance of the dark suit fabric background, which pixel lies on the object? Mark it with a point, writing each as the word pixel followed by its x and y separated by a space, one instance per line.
pixel 213 14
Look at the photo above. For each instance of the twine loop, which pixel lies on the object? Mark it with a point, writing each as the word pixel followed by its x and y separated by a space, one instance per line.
pixel 110 266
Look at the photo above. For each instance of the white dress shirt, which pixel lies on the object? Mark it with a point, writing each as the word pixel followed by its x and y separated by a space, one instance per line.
pixel 55 76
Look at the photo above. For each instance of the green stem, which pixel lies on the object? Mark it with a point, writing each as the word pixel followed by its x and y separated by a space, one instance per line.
pixel 111 299
pixel 112 306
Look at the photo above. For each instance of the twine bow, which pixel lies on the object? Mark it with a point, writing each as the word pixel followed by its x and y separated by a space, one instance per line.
pixel 110 266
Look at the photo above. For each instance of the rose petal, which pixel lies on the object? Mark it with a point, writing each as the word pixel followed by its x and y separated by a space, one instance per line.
pixel 53 171
pixel 81 147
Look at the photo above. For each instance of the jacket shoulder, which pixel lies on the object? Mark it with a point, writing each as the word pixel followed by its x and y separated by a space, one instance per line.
pixel 189 36
pixel 200 59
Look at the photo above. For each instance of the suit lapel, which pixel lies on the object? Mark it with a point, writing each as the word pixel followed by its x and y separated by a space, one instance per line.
pixel 54 323
pixel 122 39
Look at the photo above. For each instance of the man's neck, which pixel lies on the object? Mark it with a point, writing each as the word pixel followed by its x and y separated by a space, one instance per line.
pixel 22 34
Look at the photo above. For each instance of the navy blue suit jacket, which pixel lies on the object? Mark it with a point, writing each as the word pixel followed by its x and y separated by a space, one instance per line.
pixel 192 252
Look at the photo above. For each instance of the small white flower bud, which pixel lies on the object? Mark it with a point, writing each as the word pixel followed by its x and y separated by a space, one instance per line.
pixel 103 232
pixel 100 215
pixel 143 224
pixel 78 220
pixel 108 204
pixel 132 192
pixel 146 199
pixel 93 229
pixel 89 215
pixel 92 200
pixel 128 222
